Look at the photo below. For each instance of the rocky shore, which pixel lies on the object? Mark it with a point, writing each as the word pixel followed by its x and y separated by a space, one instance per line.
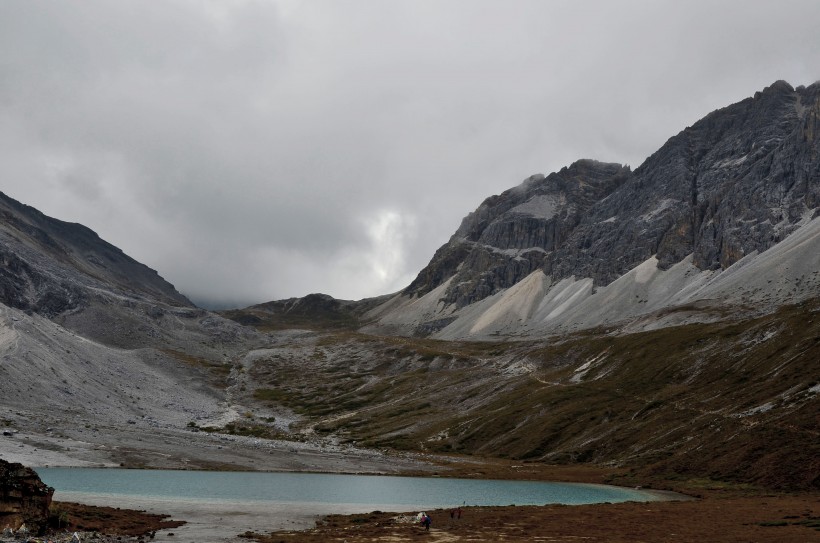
pixel 24 498
pixel 70 522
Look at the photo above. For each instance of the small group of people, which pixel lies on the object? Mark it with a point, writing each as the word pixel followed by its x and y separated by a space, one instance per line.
pixel 426 520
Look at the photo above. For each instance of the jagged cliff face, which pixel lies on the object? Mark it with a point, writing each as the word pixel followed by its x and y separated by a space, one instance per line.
pixel 512 234
pixel 735 184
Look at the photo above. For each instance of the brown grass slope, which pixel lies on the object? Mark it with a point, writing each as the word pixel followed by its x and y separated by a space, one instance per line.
pixel 732 401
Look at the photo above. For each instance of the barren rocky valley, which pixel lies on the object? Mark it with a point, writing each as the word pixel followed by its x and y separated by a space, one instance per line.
pixel 657 327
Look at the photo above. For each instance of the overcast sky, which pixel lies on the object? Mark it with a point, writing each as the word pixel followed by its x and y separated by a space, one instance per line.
pixel 259 150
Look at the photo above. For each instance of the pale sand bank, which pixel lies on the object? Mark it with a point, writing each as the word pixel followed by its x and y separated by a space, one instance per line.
pixel 222 521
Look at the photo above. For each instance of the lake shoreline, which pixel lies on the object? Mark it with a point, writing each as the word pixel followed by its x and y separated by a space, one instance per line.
pixel 222 516
pixel 746 514
pixel 718 515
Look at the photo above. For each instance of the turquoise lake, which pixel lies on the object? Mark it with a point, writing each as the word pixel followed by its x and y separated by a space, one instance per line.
pixel 413 492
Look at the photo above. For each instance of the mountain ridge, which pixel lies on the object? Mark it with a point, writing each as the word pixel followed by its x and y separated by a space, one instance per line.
pixel 63 251
pixel 731 186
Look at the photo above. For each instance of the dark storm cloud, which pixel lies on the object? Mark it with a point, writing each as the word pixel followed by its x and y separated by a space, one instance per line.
pixel 252 150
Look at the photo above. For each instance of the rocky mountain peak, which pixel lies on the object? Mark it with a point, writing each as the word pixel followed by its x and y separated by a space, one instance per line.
pixel 509 234
pixel 543 197
pixel 733 185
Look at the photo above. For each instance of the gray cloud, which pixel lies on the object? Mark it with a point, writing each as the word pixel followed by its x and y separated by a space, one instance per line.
pixel 254 150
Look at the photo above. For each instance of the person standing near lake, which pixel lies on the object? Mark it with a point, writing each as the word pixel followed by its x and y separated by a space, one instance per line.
pixel 426 521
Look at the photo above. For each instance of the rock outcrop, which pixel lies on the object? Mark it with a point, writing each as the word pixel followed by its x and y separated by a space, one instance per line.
pixel 736 182
pixel 514 233
pixel 24 498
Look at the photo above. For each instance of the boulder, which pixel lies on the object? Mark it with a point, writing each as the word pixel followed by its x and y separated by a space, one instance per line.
pixel 24 498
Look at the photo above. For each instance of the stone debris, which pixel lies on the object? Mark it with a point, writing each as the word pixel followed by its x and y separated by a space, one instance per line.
pixel 74 537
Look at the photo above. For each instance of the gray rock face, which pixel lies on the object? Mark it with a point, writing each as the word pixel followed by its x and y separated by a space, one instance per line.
pixel 24 287
pixel 50 267
pixel 735 182
pixel 512 234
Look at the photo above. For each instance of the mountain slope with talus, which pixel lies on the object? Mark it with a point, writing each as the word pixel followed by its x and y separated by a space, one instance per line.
pixel 732 401
pixel 66 273
pixel 723 217
pixel 663 320
pixel 104 363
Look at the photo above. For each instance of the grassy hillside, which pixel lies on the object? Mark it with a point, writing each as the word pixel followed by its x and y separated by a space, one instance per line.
pixel 732 401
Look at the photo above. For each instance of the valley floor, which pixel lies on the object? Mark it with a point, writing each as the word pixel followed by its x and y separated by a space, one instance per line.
pixel 716 518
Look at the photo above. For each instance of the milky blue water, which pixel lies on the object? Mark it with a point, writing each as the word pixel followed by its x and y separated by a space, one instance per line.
pixel 326 488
